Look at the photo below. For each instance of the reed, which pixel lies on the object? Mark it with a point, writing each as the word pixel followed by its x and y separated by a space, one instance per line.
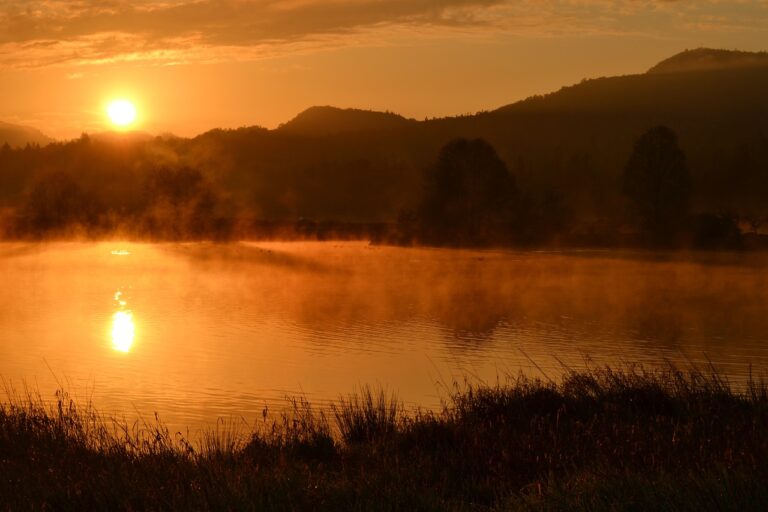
pixel 598 439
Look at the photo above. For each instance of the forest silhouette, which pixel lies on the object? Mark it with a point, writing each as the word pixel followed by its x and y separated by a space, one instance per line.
pixel 574 167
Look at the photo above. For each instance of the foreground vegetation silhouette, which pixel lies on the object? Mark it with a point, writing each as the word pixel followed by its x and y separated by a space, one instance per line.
pixel 666 439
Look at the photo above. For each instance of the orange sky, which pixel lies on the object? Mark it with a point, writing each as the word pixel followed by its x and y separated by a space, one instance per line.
pixel 194 65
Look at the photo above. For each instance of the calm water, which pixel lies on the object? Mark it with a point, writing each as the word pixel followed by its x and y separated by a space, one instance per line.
pixel 201 331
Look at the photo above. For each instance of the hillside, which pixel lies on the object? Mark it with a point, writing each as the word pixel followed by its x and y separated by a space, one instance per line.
pixel 332 121
pixel 708 59
pixel 18 136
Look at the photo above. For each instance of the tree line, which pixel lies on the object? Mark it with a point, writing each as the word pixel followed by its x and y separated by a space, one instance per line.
pixel 470 198
pixel 223 186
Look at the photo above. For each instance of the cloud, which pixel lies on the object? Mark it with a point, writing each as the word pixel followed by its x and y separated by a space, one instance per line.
pixel 45 32
pixel 50 32
pixel 219 21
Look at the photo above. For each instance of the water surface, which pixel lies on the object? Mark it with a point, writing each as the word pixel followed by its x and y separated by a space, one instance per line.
pixel 201 331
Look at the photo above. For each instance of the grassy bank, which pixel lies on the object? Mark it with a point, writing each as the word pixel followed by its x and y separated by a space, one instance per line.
pixel 601 439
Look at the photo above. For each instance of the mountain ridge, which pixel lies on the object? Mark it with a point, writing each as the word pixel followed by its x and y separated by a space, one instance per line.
pixel 329 120
pixel 19 135
pixel 590 94
pixel 707 59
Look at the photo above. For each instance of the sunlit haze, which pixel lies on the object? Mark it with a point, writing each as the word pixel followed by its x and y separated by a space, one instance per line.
pixel 204 64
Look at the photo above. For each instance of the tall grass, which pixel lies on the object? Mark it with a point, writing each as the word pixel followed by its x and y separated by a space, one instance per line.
pixel 367 416
pixel 599 439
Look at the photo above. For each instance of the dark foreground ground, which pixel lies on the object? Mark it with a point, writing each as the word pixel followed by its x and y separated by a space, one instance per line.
pixel 598 440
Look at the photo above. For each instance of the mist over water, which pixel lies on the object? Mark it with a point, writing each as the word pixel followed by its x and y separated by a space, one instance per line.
pixel 197 331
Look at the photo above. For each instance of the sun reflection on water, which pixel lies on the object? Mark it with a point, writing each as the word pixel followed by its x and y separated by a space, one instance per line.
pixel 123 326
pixel 123 330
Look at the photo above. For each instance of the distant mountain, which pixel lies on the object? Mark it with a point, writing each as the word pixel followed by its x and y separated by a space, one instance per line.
pixel 707 59
pixel 656 96
pixel 332 120
pixel 17 136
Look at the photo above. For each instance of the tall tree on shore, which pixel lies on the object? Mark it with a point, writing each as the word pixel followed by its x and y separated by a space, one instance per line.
pixel 469 195
pixel 657 182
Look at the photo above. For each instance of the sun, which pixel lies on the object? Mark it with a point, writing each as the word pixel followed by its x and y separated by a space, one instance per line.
pixel 121 112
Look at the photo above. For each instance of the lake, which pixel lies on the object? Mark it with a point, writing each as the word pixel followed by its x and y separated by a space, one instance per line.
pixel 201 331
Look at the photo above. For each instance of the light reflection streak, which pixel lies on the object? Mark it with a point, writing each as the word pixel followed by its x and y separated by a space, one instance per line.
pixel 123 331
pixel 123 326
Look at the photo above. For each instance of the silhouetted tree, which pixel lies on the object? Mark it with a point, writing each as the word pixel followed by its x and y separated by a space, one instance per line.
pixel 406 227
pixel 176 184
pixel 469 195
pixel 754 220
pixel 182 203
pixel 711 231
pixel 57 202
pixel 656 180
pixel 552 217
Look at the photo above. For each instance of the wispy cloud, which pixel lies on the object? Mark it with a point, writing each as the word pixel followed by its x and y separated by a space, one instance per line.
pixel 50 32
